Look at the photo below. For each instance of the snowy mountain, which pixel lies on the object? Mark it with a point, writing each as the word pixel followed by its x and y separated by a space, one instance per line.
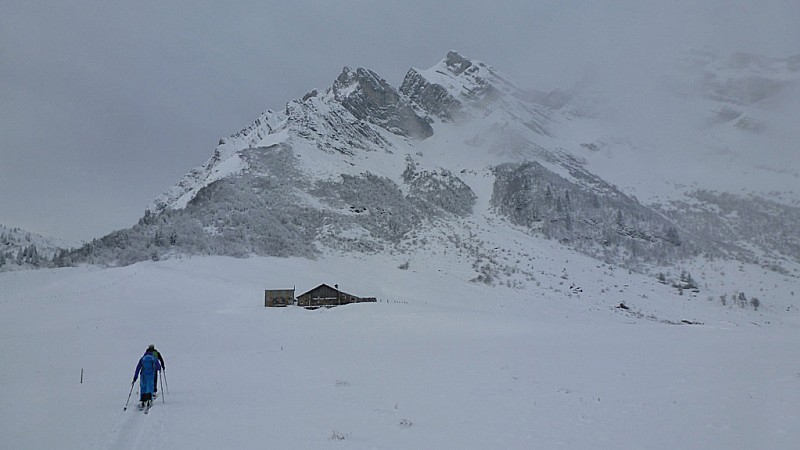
pixel 460 151
pixel 549 272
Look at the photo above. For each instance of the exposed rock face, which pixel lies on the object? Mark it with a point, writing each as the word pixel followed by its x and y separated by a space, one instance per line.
pixel 332 127
pixel 433 98
pixel 481 82
pixel 369 97
pixel 457 88
pixel 444 90
pixel 457 63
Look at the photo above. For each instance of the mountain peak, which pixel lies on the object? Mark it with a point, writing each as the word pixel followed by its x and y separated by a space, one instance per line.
pixel 364 81
pixel 456 63
pixel 453 83
pixel 369 97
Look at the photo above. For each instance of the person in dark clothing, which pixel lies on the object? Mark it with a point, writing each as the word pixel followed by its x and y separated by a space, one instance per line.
pixel 151 349
pixel 148 367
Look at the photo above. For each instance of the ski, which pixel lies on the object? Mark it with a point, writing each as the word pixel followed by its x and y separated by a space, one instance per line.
pixel 145 407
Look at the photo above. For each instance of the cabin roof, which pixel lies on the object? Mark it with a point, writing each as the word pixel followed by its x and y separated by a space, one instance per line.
pixel 329 287
pixel 316 288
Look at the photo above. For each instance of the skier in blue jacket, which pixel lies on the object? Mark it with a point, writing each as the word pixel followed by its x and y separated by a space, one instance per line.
pixel 152 349
pixel 147 367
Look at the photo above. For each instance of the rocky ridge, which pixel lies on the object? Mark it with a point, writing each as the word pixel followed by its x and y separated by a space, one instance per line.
pixel 455 152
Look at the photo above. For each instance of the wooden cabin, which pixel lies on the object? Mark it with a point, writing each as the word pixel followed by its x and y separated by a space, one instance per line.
pixel 278 297
pixel 324 295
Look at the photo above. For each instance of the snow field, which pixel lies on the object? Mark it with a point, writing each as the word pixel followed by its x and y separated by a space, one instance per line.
pixel 438 363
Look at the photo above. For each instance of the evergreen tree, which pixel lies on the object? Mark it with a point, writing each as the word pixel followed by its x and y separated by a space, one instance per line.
pixel 60 258
pixel 158 238
pixel 689 282
pixel 33 256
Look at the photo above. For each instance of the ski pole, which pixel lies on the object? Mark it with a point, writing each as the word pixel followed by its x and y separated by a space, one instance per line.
pixel 129 396
pixel 165 379
pixel 162 389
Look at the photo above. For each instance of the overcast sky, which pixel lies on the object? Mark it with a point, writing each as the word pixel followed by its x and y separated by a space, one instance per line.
pixel 105 104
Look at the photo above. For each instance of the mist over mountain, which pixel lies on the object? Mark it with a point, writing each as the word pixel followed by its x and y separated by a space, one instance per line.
pixel 459 152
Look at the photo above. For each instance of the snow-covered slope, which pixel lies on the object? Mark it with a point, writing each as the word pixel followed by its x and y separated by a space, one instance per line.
pixel 435 363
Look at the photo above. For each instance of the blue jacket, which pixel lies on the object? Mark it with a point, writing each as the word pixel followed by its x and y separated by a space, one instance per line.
pixel 147 367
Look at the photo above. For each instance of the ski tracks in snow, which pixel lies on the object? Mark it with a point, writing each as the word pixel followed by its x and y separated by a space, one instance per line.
pixel 137 430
